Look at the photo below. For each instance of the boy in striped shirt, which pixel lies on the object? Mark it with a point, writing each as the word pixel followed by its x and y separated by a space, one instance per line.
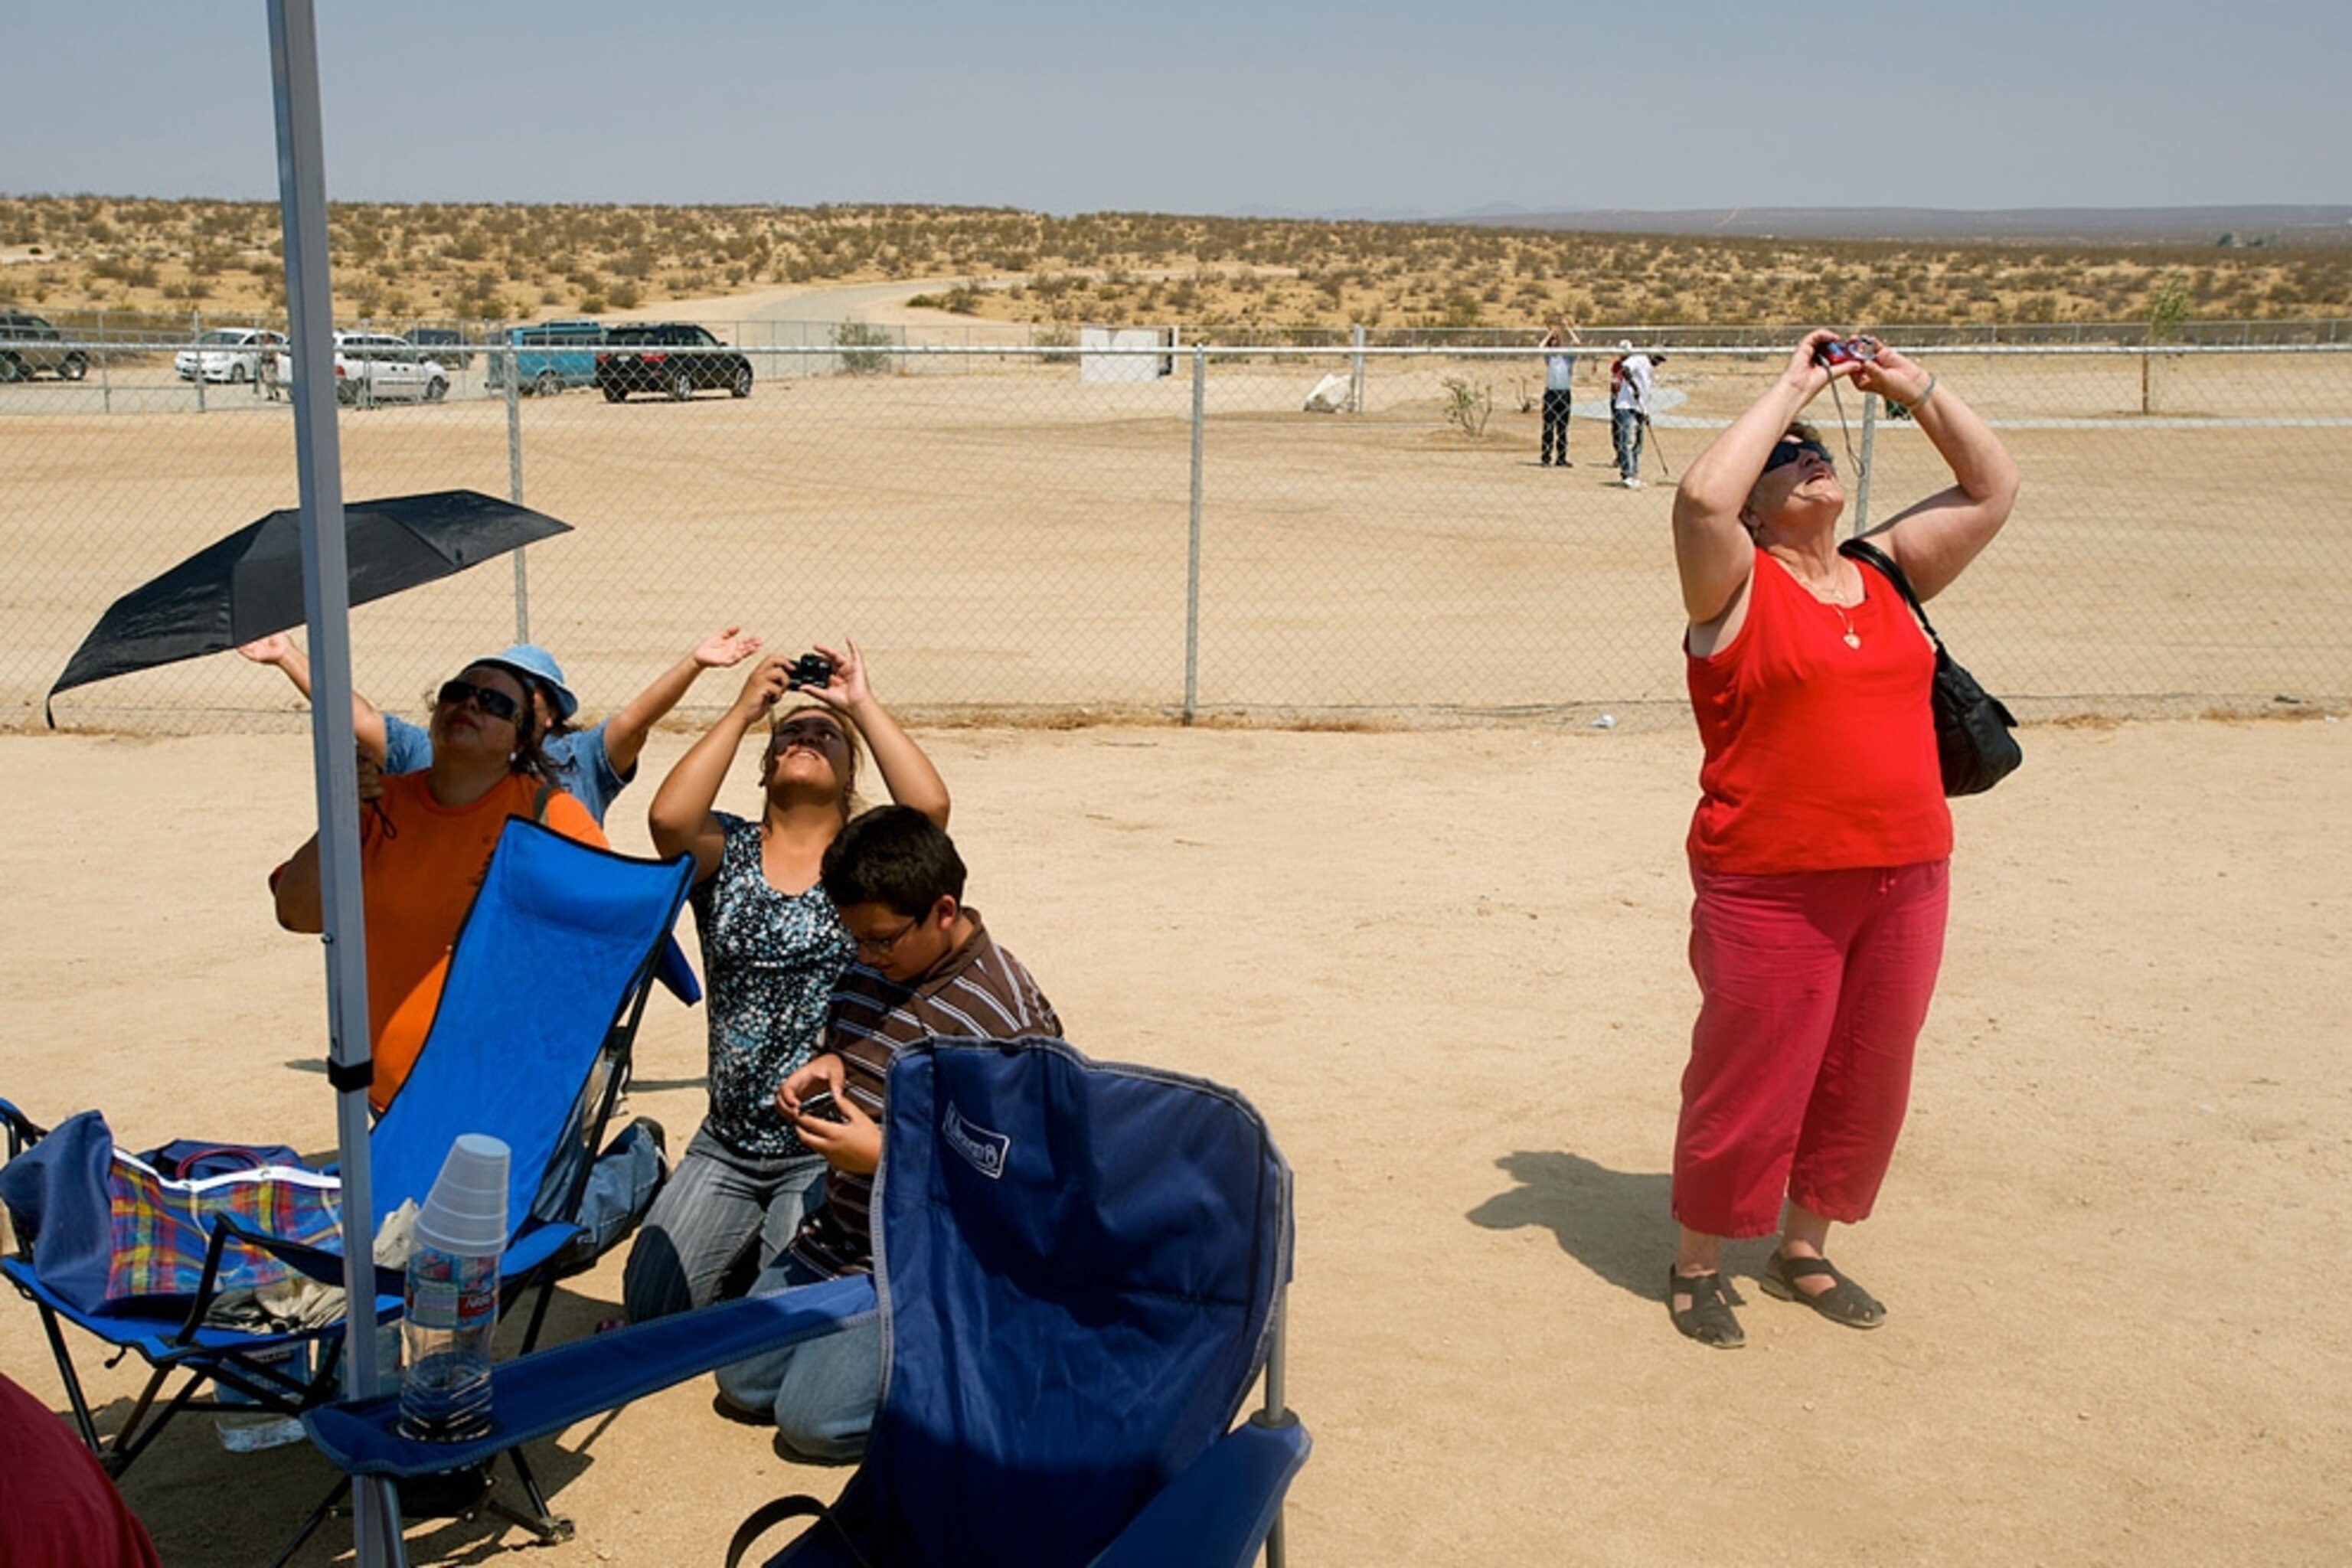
pixel 926 966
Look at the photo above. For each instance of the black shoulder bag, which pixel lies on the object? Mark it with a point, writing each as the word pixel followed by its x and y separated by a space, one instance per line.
pixel 1973 743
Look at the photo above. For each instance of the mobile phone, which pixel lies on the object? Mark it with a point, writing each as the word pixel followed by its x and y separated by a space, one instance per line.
pixel 820 1106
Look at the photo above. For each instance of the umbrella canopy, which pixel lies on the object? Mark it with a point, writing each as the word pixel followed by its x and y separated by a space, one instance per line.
pixel 250 583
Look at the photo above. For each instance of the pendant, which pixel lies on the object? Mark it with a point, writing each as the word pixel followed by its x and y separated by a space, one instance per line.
pixel 1853 639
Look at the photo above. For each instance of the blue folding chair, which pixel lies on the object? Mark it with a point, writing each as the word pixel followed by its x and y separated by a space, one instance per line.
pixel 547 980
pixel 1079 1273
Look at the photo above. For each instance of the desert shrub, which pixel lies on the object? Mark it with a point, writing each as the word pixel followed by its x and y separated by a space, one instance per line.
pixel 860 346
pixel 1468 404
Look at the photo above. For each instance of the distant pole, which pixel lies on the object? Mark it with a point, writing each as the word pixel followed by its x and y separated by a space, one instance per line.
pixel 1193 544
pixel 1862 480
pixel 514 489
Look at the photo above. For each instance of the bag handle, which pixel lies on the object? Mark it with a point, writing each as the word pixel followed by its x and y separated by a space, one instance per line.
pixel 1863 550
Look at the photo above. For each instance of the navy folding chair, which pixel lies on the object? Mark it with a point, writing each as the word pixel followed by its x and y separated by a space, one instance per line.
pixel 548 978
pixel 1079 1271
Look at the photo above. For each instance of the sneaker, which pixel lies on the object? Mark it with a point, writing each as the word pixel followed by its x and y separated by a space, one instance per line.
pixel 1632 484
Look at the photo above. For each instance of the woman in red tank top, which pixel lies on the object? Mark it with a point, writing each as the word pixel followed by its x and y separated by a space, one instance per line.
pixel 1820 847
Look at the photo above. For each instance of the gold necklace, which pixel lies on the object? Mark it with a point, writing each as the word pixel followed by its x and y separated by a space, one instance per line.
pixel 1853 638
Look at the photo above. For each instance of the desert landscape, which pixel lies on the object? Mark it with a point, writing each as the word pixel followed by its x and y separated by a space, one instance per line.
pixel 1397 884
pixel 394 263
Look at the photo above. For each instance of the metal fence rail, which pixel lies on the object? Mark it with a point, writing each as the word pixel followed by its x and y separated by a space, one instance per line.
pixel 1016 527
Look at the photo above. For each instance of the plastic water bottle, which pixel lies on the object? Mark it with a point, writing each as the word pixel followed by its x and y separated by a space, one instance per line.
pixel 452 1294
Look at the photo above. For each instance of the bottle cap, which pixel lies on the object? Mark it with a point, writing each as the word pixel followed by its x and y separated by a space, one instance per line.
pixel 465 1212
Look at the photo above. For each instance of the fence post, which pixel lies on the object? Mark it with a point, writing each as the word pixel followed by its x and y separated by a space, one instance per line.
pixel 514 486
pixel 105 369
pixel 195 332
pixel 1862 480
pixel 1193 546
pixel 1356 372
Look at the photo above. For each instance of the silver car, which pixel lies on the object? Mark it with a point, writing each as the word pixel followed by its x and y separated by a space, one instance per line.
pixel 227 354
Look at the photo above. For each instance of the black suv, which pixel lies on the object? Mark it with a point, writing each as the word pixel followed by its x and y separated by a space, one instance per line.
pixel 674 357
pixel 30 345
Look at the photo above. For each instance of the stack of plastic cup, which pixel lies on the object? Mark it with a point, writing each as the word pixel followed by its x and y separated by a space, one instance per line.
pixel 452 1303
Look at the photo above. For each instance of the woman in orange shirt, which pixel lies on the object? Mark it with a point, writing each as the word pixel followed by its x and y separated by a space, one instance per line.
pixel 424 843
pixel 1821 845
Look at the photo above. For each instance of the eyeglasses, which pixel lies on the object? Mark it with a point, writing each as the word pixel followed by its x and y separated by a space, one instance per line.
pixel 882 946
pixel 492 704
pixel 1789 451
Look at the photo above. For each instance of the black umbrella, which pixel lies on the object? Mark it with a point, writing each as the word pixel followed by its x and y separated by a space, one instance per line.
pixel 250 583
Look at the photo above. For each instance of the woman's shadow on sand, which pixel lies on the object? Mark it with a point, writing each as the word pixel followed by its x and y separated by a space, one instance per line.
pixel 1615 1223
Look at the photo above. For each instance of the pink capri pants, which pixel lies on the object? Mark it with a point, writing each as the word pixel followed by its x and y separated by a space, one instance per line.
pixel 1813 986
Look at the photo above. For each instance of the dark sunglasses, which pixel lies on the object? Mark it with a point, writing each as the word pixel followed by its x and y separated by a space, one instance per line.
pixel 491 704
pixel 1788 452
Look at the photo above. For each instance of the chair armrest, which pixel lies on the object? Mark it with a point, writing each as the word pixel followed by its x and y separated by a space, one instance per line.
pixel 533 1396
pixel 1219 1510
pixel 312 1262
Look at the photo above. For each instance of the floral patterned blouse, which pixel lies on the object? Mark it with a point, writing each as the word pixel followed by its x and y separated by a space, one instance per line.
pixel 769 962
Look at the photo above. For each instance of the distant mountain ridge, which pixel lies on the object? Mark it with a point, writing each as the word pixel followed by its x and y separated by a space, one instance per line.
pixel 2272 224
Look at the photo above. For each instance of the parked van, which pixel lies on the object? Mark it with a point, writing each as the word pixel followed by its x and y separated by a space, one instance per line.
pixel 549 357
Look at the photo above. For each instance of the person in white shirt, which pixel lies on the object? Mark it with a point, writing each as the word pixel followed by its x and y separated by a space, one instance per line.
pixel 1629 410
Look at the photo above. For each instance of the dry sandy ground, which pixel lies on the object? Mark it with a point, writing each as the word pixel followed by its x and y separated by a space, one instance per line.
pixel 1449 968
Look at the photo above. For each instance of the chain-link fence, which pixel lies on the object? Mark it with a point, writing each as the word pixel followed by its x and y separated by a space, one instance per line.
pixel 1087 527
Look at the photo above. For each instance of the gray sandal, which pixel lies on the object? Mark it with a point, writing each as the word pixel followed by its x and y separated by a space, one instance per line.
pixel 1843 1302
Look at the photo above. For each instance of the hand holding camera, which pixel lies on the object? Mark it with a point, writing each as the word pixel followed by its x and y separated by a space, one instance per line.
pixel 810 672
pixel 1844 350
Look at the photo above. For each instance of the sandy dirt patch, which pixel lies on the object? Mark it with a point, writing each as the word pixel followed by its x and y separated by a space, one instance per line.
pixel 1449 968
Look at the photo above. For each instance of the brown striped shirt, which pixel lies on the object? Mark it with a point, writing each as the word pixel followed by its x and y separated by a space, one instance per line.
pixel 978 990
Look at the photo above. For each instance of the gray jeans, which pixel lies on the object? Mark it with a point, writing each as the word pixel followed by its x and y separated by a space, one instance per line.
pixel 823 1393
pixel 719 1212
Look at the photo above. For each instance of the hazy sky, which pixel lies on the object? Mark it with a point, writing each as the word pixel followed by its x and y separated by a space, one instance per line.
pixel 1205 106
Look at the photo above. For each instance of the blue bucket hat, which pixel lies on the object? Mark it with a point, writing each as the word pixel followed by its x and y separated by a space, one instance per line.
pixel 532 664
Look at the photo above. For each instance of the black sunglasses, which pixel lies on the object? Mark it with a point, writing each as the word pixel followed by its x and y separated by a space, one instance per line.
pixel 492 704
pixel 1789 451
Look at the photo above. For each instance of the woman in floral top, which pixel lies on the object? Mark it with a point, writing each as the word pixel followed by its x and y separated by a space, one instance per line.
pixel 771 948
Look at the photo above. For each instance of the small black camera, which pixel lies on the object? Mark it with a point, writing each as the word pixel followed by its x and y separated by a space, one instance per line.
pixel 811 669
pixel 1839 350
pixel 820 1106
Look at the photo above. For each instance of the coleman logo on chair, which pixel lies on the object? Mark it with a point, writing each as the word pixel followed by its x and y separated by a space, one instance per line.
pixel 985 1149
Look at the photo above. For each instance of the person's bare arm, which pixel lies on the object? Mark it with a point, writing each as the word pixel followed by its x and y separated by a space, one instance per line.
pixel 906 772
pixel 1713 552
pixel 280 650
pixel 626 732
pixel 1935 540
pixel 295 886
pixel 681 819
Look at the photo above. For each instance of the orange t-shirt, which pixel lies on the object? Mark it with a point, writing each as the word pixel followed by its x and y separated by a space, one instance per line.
pixel 1820 757
pixel 420 864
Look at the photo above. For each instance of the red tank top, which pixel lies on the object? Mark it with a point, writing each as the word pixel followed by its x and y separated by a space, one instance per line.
pixel 1820 757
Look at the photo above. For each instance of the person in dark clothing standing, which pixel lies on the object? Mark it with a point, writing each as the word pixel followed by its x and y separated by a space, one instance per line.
pixel 1559 371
